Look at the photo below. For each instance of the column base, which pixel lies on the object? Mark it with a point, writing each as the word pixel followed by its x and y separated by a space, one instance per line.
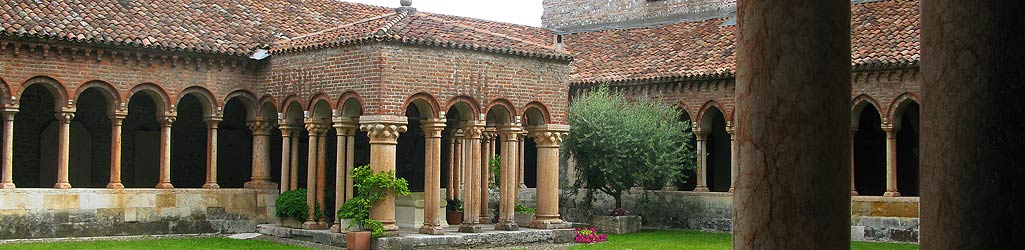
pixel 854 193
pixel 260 184
pixel 484 220
pixel 312 225
pixel 549 224
pixel 891 194
pixel 211 186
pixel 164 186
pixel 62 185
pixel 507 226
pixel 336 228
pixel 9 185
pixel 432 230
pixel 115 185
pixel 701 189
pixel 523 186
pixel 470 228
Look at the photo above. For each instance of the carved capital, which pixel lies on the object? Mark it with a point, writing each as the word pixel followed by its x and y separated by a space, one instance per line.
pixel 433 127
pixel 166 121
pixel 9 112
pixel 511 132
pixel 345 126
pixel 65 117
pixel 381 133
pixel 473 129
pixel 261 126
pixel 212 121
pixel 551 135
pixel 317 128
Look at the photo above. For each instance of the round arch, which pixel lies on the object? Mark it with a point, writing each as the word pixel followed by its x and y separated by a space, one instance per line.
pixel 536 113
pixel 206 99
pixel 157 93
pixel 60 94
pixel 506 113
pixel 425 104
pixel 350 104
pixel 320 105
pixel 113 97
pixel 292 108
pixel 247 99
pixel 268 108
pixel 464 104
pixel 5 92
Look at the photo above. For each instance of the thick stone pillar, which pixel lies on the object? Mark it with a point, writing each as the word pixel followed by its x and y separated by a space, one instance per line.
pixel 63 152
pixel 116 121
pixel 972 124
pixel 7 180
pixel 211 152
pixel 432 176
pixel 793 112
pixel 519 159
pixel 472 132
pixel 383 131
pixel 548 139
pixel 286 146
pixel 261 154
pixel 701 172
pixel 891 160
pixel 458 169
pixel 508 175
pixel 165 152
pixel 311 175
pixel 487 149
pixel 854 191
pixel 733 157
pixel 345 128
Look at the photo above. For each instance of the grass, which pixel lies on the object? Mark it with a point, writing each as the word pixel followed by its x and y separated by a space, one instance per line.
pixel 171 243
pixel 695 240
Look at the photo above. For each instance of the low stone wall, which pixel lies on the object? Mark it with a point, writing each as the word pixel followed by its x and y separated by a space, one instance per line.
pixel 50 213
pixel 890 219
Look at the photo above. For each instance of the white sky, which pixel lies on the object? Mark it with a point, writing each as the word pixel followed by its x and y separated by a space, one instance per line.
pixel 527 12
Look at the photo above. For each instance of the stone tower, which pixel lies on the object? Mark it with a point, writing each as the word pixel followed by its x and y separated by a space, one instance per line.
pixel 571 16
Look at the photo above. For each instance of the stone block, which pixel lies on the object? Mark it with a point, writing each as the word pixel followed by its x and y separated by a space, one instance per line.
pixel 616 224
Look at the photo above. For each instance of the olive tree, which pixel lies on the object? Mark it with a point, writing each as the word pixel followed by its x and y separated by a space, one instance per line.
pixel 618 144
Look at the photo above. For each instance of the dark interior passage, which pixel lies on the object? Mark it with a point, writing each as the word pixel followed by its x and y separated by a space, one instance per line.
pixel 718 161
pixel 89 162
pixel 235 148
pixel 140 143
pixel 907 152
pixel 870 154
pixel 409 153
pixel 688 178
pixel 35 114
pixel 189 145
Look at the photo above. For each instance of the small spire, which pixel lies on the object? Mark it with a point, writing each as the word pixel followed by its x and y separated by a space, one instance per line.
pixel 406 3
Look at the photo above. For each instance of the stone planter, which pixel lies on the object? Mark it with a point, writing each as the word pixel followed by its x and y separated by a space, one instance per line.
pixel 357 240
pixel 454 217
pixel 616 224
pixel 290 222
pixel 523 220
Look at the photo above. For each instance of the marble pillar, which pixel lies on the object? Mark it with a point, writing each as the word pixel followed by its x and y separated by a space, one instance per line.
pixel 63 152
pixel 509 136
pixel 345 128
pixel 472 132
pixel 548 138
pixel 891 160
pixel 211 152
pixel 792 116
pixel 7 178
pixel 383 131
pixel 701 171
pixel 432 176
pixel 286 146
pixel 116 121
pixel 972 118
pixel 165 152
pixel 733 157
pixel 260 178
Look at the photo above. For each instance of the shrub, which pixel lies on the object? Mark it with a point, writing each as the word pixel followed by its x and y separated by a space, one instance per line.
pixel 371 188
pixel 589 235
pixel 292 204
pixel 521 209
pixel 495 164
pixel 454 205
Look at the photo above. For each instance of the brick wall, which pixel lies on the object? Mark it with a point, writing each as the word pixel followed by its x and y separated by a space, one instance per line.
pixel 568 15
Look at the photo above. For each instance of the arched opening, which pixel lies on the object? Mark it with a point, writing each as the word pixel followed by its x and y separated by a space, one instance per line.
pixel 458 114
pixel 140 141
pixel 533 116
pixel 34 164
pixel 89 162
pixel 326 155
pixel 869 153
pixel 907 150
pixel 688 179
pixel 300 144
pixel 188 143
pixel 410 148
pixel 717 150
pixel 235 145
pixel 269 113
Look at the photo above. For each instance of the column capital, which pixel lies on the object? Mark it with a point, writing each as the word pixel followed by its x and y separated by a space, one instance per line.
pixel 317 128
pixel 511 132
pixel 261 126
pixel 473 129
pixel 699 134
pixel 65 116
pixel 458 133
pixel 433 127
pixel 730 130
pixel 383 129
pixel 345 126
pixel 889 128
pixel 167 120
pixel 550 135
pixel 212 121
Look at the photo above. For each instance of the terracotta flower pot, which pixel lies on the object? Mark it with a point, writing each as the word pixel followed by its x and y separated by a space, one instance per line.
pixel 357 240
pixel 454 217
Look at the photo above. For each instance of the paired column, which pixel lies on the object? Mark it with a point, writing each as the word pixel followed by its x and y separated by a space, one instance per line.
pixel 472 132
pixel 63 140
pixel 432 176
pixel 286 147
pixel 459 162
pixel 733 157
pixel 345 129
pixel 165 152
pixel 793 112
pixel 450 179
pixel 891 160
pixel 702 171
pixel 211 152
pixel 383 131
pixel 314 177
pixel 548 139
pixel 7 178
pixel 488 149
pixel 115 149
pixel 322 172
pixel 508 177
pixel 519 158
pixel 260 179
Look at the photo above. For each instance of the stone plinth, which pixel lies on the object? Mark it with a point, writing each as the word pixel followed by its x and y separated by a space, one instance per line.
pixel 616 224
pixel 409 210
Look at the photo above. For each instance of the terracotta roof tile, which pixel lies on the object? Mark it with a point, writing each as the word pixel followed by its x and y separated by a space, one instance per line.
pixel 883 33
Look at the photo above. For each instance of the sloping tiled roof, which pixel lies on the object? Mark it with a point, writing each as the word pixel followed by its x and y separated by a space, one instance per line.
pixel 883 33
pixel 410 26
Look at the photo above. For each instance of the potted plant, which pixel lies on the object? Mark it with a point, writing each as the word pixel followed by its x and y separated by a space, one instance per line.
pixel 454 212
pixel 291 208
pixel 371 188
pixel 524 215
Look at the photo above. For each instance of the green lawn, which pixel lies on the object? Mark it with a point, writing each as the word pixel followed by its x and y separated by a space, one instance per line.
pixel 664 240
pixel 171 243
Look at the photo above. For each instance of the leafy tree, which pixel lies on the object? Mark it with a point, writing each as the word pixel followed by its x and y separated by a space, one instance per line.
pixel 618 144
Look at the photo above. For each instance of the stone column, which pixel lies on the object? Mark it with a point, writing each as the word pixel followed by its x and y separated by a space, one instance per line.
pixel 548 138
pixel 891 160
pixel 322 171
pixel 344 129
pixel 972 124
pixel 63 141
pixel 294 165
pixel 261 154
pixel 115 149
pixel 472 132
pixel 211 152
pixel 311 175
pixel 432 176
pixel 519 159
pixel 383 131
pixel 458 171
pixel 7 180
pixel 286 146
pixel 508 177
pixel 792 116
pixel 854 191
pixel 450 179
pixel 699 137
pixel 165 152
pixel 487 149
pixel 733 157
